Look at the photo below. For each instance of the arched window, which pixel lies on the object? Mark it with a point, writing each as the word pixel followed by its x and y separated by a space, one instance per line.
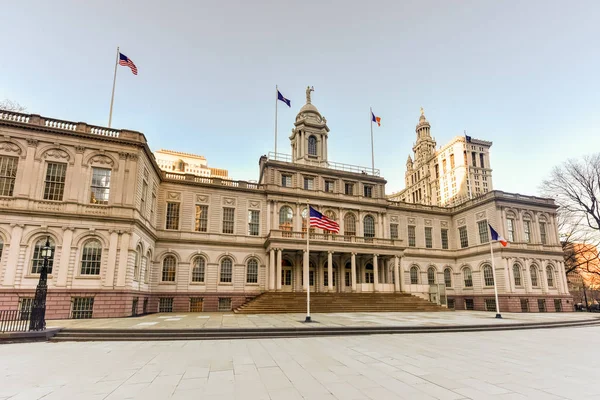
pixel 332 216
pixel 534 275
pixel 252 271
pixel 286 218
pixel 169 266
pixel 90 257
pixel 349 225
pixel 468 277
pixel 369 226
pixel 1 247
pixel 138 262
pixel 37 260
pixel 488 275
pixel 550 276
pixel 198 269
pixel 517 274
pixel 431 276
pixel 448 277
pixel 312 146
pixel 226 270
pixel 414 275
pixel 148 265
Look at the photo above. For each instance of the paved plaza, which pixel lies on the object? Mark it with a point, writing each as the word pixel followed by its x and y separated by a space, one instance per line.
pixel 540 364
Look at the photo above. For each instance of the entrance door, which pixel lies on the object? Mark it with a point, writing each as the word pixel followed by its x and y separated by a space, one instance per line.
pixel 369 278
pixel 286 276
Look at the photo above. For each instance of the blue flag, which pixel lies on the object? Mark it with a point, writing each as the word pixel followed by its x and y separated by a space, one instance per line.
pixel 468 138
pixel 286 101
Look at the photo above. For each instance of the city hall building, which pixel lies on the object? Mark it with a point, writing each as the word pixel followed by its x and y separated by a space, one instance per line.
pixel 132 236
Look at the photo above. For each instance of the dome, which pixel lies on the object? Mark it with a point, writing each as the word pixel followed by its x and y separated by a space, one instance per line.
pixel 309 108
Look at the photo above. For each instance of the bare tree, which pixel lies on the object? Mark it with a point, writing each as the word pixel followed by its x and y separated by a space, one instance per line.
pixel 10 105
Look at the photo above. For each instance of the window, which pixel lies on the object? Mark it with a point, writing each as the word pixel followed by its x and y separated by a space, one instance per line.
pixel 224 304
pixel 169 266
pixel 542 305
pixel 474 158
pixel 510 225
pixel 147 269
pixel 152 206
pixel 100 185
pixel 445 239
pixel 143 198
pixel 484 236
pixel 286 218
pixel 534 275
pixel 309 183
pixel 25 305
pixel 412 236
pixel 54 184
pixel 557 305
pixel 550 276
pixel 195 304
pixel 201 221
pixel 329 185
pixel 490 304
pixel 369 227
pixel 368 191
pixel 462 234
pixel 82 307
pixel 350 225
pixel 414 275
pixel 517 274
pixel 394 231
pixel 481 164
pixel 349 188
pixel 468 277
pixel 524 305
pixel 253 222
pixel 444 169
pixel 8 174
pixel 228 219
pixel 198 270
pixel 252 271
pixel 312 146
pixel 137 263
pixel 1 247
pixel 448 277
pixel 543 233
pixel 428 237
pixel 172 221
pixel 226 270
pixel 469 305
pixel 165 304
pixel 451 160
pixel 286 180
pixel 38 260
pixel 437 171
pixel 90 258
pixel 527 230
pixel 451 304
pixel 488 275
pixel 431 276
pixel 325 276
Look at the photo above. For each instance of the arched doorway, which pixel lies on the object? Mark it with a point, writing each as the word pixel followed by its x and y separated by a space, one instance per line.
pixel 326 276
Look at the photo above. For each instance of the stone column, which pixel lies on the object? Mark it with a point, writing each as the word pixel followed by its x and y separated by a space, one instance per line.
pixel 65 256
pixel 109 280
pixel 278 276
pixel 298 220
pixel 26 185
pixel 375 273
pixel 330 271
pixel 396 274
pixel 510 276
pixel 13 256
pixel 123 259
pixel 305 265
pixel 353 271
pixel 271 271
pixel 269 217
pixel 341 275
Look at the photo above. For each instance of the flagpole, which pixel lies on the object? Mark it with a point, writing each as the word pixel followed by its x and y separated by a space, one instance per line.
pixel 495 284
pixel 276 101
pixel 112 98
pixel 307 261
pixel 372 151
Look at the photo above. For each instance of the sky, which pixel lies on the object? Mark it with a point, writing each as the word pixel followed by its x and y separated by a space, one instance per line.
pixel 522 74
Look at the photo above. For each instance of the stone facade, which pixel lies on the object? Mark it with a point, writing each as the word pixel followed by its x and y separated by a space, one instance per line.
pixel 138 239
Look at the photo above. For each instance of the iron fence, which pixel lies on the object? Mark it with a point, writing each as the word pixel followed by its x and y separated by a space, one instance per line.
pixel 14 320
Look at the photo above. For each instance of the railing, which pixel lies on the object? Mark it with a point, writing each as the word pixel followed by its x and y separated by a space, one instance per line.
pixel 211 181
pixel 329 164
pixel 14 321
pixel 330 237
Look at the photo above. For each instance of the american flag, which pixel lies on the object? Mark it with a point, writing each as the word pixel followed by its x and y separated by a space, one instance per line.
pixel 126 62
pixel 320 221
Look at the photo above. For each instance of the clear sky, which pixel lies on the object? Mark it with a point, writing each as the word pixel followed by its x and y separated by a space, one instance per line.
pixel 523 74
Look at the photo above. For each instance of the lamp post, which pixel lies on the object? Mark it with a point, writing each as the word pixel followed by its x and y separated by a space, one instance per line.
pixel 38 310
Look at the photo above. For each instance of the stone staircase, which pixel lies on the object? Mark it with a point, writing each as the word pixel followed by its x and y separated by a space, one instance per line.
pixel 286 302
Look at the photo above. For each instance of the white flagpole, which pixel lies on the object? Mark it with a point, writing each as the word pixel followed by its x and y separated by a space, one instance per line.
pixel 495 283
pixel 276 101
pixel 112 98
pixel 372 149
pixel 307 261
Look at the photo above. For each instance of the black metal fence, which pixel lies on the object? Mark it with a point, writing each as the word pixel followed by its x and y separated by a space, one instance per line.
pixel 14 320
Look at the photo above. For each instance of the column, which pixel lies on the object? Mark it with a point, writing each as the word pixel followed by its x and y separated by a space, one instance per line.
pixel 269 217
pixel 123 259
pixel 298 271
pixel 298 220
pixel 510 275
pixel 305 284
pixel 341 275
pixel 65 256
pixel 271 270
pixel 26 185
pixel 13 255
pixel 396 274
pixel 119 180
pixel 278 275
pixel 375 273
pixel 527 275
pixel 353 271
pixel 109 280
pixel 330 271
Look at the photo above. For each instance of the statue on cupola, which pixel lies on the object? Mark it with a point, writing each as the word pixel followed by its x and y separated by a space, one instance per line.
pixel 309 137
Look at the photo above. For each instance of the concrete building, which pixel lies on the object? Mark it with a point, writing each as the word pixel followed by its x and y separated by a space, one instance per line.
pixel 186 163
pixel 129 237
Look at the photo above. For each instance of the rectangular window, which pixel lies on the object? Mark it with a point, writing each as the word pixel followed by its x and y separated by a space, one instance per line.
pixel 557 305
pixel 309 183
pixel 82 307
pixel 481 164
pixel 474 158
pixel 143 198
pixel 349 188
pixel 542 305
pixel 469 305
pixel 451 160
pixel 54 184
pixel 253 222
pixel 368 191
pixel 25 305
pixel 543 233
pixel 165 304
pixel 228 219
pixel 412 236
pixel 444 165
pixel 100 185
pixel 8 174
pixel 524 305
pixel 490 304
pixel 428 237
pixel 464 239
pixel 510 225
pixel 527 230
pixel 225 304
pixel 437 171
pixel 152 206
pixel 394 231
pixel 286 180
pixel 201 224
pixel 172 216
pixel 329 186
pixel 195 304
pixel 484 231
pixel 445 239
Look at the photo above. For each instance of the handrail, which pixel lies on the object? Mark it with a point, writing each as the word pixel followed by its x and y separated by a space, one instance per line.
pixel 330 237
pixel 328 164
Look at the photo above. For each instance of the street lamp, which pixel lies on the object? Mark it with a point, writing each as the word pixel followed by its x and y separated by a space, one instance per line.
pixel 38 309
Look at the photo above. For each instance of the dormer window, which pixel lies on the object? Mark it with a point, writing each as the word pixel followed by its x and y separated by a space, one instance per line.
pixel 312 146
